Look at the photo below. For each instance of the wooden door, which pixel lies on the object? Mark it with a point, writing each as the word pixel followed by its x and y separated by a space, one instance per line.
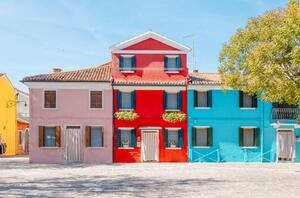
pixel 73 144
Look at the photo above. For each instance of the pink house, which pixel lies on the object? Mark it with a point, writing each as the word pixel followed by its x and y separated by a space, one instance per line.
pixel 71 116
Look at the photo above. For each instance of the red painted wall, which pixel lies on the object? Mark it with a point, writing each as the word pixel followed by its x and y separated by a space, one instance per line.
pixel 149 107
pixel 21 127
pixel 150 44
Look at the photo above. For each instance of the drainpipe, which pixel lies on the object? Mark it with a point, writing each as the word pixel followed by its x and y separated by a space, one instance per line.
pixel 262 129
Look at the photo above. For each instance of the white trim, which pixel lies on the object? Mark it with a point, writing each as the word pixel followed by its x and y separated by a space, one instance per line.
pixel 175 148
pixel 125 128
pixel 128 55
pixel 206 147
pixel 249 127
pixel 148 52
pixel 277 125
pixel 146 36
pixel 69 85
pixel 125 148
pixel 201 127
pixel 173 72
pixel 150 128
pixel 152 87
pixel 172 56
pixel 102 101
pixel 206 87
pixel 248 108
pixel 43 99
pixel 249 147
pixel 127 72
pixel 172 110
pixel 203 108
pixel 173 128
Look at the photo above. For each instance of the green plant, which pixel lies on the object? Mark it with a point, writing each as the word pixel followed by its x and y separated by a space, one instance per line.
pixel 173 142
pixel 126 115
pixel 125 142
pixel 174 117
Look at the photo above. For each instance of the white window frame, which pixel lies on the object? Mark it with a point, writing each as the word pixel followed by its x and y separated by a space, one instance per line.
pixel 173 129
pixel 56 99
pixel 202 127
pixel 172 110
pixel 131 109
pixel 102 95
pixel 175 71
pixel 249 127
pixel 127 71
pixel 125 129
pixel 206 99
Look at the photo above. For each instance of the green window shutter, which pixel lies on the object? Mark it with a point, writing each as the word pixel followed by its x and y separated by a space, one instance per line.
pixel 209 98
pixel 178 62
pixel 133 63
pixel 118 133
pixel 133 138
pixel 166 63
pixel 121 63
pixel 241 99
pixel 133 99
pixel 180 138
pixel 196 104
pixel 165 100
pixel 257 137
pixel 254 101
pixel 166 138
pixel 241 137
pixel 209 137
pixel 194 136
pixel 119 100
pixel 275 105
pixel 179 100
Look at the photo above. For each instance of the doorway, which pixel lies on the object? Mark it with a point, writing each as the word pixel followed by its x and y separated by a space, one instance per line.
pixel 286 145
pixel 150 145
pixel 73 144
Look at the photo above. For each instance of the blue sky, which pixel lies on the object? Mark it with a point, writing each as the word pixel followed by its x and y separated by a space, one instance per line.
pixel 36 36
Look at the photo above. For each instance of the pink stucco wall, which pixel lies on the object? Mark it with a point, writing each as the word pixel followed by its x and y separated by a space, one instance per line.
pixel 72 110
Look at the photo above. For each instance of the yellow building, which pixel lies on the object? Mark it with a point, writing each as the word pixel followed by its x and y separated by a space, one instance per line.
pixel 8 115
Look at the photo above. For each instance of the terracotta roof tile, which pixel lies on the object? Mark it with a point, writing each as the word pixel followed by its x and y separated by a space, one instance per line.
pixel 100 73
pixel 199 78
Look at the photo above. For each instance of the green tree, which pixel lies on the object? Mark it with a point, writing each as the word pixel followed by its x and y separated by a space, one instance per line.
pixel 264 57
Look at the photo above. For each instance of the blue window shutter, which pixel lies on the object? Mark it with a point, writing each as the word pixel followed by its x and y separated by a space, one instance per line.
pixel 241 137
pixel 166 138
pixel 166 63
pixel 121 62
pixel 133 138
pixel 119 100
pixel 194 136
pixel 209 98
pixel 133 61
pixel 180 138
pixel 178 62
pixel 133 99
pixel 179 100
pixel 165 100
pixel 241 98
pixel 118 138
pixel 195 98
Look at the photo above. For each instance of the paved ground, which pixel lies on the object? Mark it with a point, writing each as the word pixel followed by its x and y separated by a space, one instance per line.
pixel 18 178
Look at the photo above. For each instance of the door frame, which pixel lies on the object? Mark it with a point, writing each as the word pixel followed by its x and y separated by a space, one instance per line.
pixel 81 142
pixel 154 130
pixel 284 129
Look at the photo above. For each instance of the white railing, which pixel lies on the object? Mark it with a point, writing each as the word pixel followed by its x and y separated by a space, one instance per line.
pixel 285 113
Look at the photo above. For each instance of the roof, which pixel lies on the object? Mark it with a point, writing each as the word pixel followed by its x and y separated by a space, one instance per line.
pixel 23 120
pixel 2 74
pixel 199 78
pixel 101 73
pixel 148 35
pixel 20 91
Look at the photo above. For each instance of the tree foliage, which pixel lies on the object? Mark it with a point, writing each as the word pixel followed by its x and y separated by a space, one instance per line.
pixel 264 57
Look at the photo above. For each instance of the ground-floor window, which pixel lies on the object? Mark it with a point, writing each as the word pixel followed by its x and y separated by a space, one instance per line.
pixel 94 136
pixel 49 136
pixel 202 136
pixel 249 137
pixel 126 138
pixel 173 138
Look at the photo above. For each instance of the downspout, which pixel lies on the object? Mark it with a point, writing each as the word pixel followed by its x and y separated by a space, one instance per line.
pixel 262 129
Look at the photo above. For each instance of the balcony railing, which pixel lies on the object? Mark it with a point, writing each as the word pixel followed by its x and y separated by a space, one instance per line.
pixel 285 113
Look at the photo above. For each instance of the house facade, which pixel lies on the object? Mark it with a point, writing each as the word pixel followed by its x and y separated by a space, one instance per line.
pixel 234 127
pixel 71 116
pixel 149 82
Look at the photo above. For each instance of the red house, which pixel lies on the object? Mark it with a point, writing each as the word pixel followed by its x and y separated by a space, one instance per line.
pixel 150 102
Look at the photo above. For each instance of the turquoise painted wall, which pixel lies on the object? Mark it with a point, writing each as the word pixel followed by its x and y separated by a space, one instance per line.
pixel 226 117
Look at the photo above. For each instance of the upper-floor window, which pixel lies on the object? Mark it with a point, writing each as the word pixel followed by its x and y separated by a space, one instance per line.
pixel 96 99
pixel 172 101
pixel 172 63
pixel 249 137
pixel 202 136
pixel 202 99
pixel 94 136
pixel 126 100
pixel 247 101
pixel 50 99
pixel 127 63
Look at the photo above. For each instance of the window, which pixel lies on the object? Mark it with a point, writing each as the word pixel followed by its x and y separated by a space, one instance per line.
pixel 173 138
pixel 50 137
pixel 172 101
pixel 202 137
pixel 172 63
pixel 50 99
pixel 126 138
pixel 247 101
pixel 249 137
pixel 94 136
pixel 127 63
pixel 20 137
pixel 202 99
pixel 96 99
pixel 126 100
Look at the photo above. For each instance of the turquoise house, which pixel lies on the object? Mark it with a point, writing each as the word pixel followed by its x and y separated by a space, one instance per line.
pixel 234 127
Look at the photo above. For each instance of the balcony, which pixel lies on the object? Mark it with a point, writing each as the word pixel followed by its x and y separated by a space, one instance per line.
pixel 285 113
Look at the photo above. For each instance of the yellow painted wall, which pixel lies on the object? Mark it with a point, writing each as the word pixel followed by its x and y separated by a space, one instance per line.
pixel 8 115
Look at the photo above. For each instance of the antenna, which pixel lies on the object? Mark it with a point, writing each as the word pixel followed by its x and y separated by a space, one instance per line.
pixel 193 48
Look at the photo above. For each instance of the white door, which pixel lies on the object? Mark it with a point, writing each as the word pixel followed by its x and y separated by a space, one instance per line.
pixel 150 149
pixel 286 148
pixel 73 144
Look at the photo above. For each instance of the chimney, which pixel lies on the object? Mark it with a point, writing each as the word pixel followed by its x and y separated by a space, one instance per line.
pixel 57 70
pixel 195 70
